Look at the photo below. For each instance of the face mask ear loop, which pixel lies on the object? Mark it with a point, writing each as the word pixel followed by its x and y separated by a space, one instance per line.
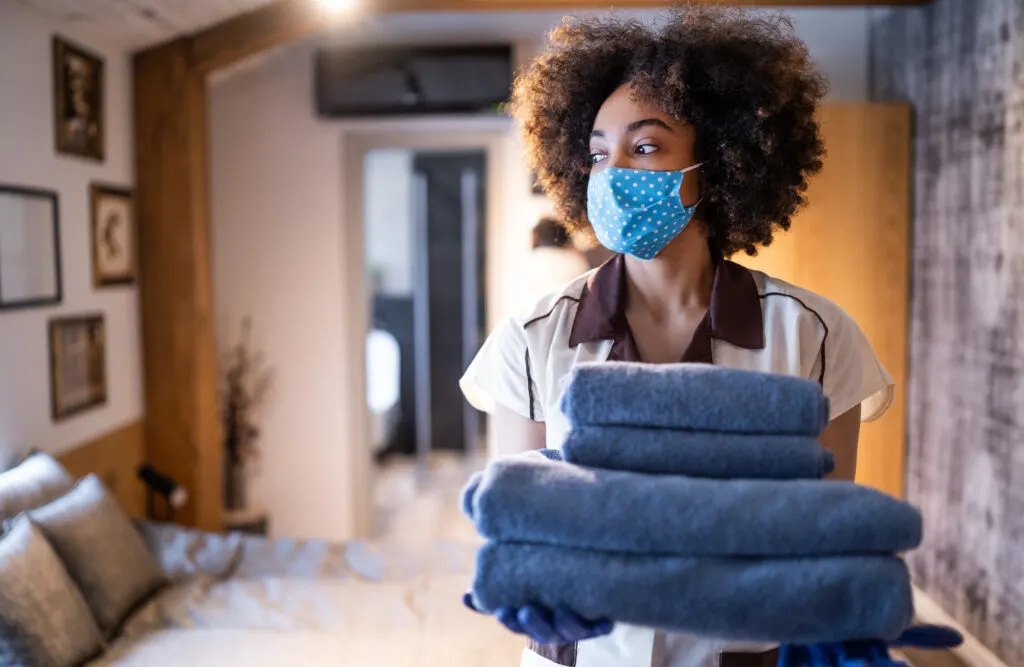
pixel 684 171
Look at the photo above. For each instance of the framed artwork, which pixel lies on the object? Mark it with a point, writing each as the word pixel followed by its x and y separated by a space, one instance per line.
pixel 29 248
pixel 78 101
pixel 78 364
pixel 113 235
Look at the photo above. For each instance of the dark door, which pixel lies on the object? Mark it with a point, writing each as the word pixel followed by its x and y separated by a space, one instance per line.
pixel 448 293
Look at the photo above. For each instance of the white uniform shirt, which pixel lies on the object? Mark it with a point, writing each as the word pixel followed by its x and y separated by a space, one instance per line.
pixel 754 322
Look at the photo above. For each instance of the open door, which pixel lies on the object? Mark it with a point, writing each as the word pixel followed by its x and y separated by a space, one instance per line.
pixel 448 294
pixel 852 245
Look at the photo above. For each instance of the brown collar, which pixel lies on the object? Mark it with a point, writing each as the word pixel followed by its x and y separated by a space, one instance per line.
pixel 734 314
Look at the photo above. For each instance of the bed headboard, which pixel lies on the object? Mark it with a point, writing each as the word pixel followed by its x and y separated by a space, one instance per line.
pixel 114 457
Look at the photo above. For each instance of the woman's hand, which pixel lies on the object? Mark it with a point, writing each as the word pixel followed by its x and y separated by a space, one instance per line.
pixel 547 626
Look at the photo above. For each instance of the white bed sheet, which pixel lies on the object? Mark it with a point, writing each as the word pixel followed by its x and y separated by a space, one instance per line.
pixel 416 622
pixel 300 603
pixel 185 552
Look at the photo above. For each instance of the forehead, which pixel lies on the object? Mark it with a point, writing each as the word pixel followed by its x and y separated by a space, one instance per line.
pixel 621 108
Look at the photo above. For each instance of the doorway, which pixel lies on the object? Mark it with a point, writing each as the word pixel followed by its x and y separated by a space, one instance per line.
pixel 424 241
pixel 396 147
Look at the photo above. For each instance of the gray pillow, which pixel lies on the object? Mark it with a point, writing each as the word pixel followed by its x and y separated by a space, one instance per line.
pixel 102 550
pixel 38 597
pixel 34 482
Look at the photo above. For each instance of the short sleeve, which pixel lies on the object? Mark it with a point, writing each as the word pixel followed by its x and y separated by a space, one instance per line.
pixel 850 373
pixel 502 373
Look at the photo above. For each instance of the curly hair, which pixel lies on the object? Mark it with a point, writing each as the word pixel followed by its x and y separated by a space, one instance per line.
pixel 744 82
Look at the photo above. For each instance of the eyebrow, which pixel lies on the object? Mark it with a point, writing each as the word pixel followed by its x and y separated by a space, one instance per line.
pixel 636 125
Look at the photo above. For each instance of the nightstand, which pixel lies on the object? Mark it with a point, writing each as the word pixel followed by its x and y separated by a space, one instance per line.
pixel 252 520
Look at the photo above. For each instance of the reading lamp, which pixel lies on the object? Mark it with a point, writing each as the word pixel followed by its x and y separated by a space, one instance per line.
pixel 157 483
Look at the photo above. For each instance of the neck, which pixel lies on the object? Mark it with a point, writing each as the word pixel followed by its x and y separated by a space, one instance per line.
pixel 680 278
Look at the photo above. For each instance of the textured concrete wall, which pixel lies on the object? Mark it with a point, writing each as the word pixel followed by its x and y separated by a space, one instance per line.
pixel 961 63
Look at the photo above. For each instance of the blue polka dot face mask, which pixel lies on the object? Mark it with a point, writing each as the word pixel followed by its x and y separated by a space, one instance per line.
pixel 637 212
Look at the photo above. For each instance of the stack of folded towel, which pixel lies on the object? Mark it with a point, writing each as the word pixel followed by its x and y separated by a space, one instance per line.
pixel 690 499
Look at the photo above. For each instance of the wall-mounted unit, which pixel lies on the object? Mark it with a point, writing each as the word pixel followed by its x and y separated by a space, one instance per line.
pixel 423 80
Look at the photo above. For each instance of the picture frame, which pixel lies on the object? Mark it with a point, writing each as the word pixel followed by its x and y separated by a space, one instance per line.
pixel 78 101
pixel 113 233
pixel 30 259
pixel 78 364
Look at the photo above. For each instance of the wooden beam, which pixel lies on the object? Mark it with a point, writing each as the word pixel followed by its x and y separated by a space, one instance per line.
pixel 289 20
pixel 254 31
pixel 182 415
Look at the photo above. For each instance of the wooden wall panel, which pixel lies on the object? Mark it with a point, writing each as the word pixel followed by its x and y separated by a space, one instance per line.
pixel 182 424
pixel 852 245
pixel 114 457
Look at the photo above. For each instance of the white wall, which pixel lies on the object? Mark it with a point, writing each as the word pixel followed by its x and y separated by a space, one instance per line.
pixel 283 240
pixel 388 239
pixel 283 249
pixel 27 157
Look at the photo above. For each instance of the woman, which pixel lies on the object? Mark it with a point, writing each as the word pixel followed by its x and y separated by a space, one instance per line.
pixel 677 147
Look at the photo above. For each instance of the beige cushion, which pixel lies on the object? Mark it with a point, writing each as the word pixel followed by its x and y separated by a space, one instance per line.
pixel 102 550
pixel 36 481
pixel 38 596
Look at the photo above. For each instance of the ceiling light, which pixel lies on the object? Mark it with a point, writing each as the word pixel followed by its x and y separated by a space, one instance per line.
pixel 336 6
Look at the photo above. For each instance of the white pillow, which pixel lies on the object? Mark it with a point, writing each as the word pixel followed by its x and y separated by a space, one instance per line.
pixel 38 597
pixel 184 553
pixel 102 550
pixel 36 481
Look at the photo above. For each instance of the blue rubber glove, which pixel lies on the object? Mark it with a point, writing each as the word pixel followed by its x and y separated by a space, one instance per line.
pixel 547 626
pixel 868 653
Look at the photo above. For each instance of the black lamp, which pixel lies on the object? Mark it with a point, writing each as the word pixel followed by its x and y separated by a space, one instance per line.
pixel 157 483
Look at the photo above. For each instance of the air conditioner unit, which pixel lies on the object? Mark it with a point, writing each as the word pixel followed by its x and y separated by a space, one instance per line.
pixel 423 80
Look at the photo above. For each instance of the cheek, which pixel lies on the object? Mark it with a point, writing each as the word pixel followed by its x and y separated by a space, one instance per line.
pixel 689 192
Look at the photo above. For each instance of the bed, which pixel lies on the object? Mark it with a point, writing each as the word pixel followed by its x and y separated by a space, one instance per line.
pixel 248 600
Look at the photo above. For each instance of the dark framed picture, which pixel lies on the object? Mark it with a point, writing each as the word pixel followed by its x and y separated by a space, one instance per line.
pixel 78 100
pixel 78 364
pixel 113 235
pixel 29 247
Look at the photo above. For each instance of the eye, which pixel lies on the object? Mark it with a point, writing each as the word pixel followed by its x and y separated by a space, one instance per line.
pixel 597 157
pixel 645 149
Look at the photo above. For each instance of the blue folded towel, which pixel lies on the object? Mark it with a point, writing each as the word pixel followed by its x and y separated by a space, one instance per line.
pixel 788 601
pixel 528 498
pixel 694 397
pixel 714 455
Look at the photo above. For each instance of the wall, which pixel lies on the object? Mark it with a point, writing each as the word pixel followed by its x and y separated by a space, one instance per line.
pixel 281 234
pixel 958 63
pixel 27 157
pixel 387 196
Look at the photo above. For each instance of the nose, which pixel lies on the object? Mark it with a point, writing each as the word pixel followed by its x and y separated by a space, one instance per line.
pixel 619 158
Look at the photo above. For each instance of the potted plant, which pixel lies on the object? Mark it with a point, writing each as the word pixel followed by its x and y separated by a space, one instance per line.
pixel 245 385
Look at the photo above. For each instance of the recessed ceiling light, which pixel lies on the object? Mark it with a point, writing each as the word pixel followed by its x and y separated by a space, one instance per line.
pixel 336 6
